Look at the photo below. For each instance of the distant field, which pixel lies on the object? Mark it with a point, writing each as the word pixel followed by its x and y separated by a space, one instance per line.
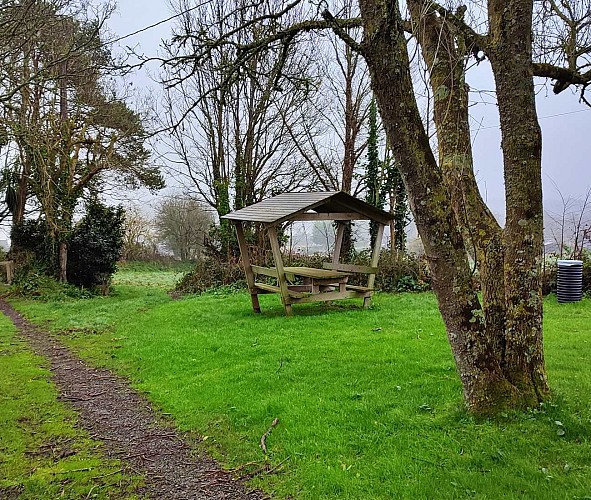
pixel 368 401
pixel 144 274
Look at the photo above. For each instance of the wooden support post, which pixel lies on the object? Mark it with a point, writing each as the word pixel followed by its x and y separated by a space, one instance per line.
pixel 375 258
pixel 247 266
pixel 279 266
pixel 9 270
pixel 338 242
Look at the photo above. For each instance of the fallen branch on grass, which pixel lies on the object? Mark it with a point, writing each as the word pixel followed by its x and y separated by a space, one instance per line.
pixel 263 443
pixel 264 469
pixel 84 469
pixel 276 467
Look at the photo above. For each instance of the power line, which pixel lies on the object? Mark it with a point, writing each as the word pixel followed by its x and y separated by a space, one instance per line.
pixel 205 2
pixel 186 11
pixel 539 118
pixel 565 113
pixel 146 28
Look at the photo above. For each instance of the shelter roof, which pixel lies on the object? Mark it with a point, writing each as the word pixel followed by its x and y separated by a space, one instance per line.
pixel 335 205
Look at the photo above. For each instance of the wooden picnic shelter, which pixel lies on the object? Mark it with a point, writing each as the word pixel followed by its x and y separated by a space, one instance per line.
pixel 318 285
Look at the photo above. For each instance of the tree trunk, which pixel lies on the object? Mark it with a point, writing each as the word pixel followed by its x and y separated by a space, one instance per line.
pixel 443 51
pixel 29 121
pixel 384 47
pixel 498 349
pixel 510 53
pixel 63 261
pixel 350 134
pixel 349 146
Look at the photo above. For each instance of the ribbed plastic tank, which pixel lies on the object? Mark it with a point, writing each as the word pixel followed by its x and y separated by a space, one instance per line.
pixel 570 281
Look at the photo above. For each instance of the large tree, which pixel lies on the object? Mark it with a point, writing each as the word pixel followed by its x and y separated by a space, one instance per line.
pixel 34 50
pixel 71 131
pixel 229 137
pixel 183 225
pixel 496 340
pixel 334 137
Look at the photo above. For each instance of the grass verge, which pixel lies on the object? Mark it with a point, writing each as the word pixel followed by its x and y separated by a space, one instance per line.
pixel 369 403
pixel 42 452
pixel 164 276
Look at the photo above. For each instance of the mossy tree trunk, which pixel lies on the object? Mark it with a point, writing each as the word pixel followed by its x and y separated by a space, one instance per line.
pixel 444 51
pixel 497 345
pixel 510 53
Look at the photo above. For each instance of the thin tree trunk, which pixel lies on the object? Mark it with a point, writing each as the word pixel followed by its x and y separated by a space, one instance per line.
pixel 63 262
pixel 64 160
pixel 510 53
pixel 349 144
pixel 392 226
pixel 443 51
pixel 350 127
pixel 28 124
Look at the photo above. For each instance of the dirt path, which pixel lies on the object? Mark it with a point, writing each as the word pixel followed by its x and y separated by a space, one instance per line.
pixel 124 421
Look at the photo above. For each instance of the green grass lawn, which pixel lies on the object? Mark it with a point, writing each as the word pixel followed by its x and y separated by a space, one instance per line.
pixel 150 275
pixel 42 452
pixel 369 402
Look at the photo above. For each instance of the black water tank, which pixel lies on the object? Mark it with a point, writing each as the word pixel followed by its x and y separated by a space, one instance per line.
pixel 570 281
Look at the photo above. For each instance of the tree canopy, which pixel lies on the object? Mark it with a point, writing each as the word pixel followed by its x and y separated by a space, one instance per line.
pixel 67 130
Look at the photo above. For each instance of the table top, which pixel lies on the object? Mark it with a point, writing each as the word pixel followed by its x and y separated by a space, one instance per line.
pixel 312 272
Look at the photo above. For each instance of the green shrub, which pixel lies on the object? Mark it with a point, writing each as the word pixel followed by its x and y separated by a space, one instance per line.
pixel 36 284
pixel 33 247
pixel 586 256
pixel 30 235
pixel 210 274
pixel 549 275
pixel 95 246
pixel 396 272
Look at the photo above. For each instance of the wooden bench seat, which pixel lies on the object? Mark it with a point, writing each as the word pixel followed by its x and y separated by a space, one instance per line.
pixel 276 289
pixel 359 288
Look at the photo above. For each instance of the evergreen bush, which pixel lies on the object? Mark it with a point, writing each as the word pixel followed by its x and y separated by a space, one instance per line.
pixel 95 246
pixel 32 246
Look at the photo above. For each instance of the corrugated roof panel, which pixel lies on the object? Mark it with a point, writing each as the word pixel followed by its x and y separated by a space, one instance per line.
pixel 283 206
pixel 279 207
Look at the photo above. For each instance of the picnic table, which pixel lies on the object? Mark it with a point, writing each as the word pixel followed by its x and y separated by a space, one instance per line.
pixel 307 284
pixel 318 280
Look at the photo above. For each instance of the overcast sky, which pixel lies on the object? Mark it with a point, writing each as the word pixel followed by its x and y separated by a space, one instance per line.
pixel 566 124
